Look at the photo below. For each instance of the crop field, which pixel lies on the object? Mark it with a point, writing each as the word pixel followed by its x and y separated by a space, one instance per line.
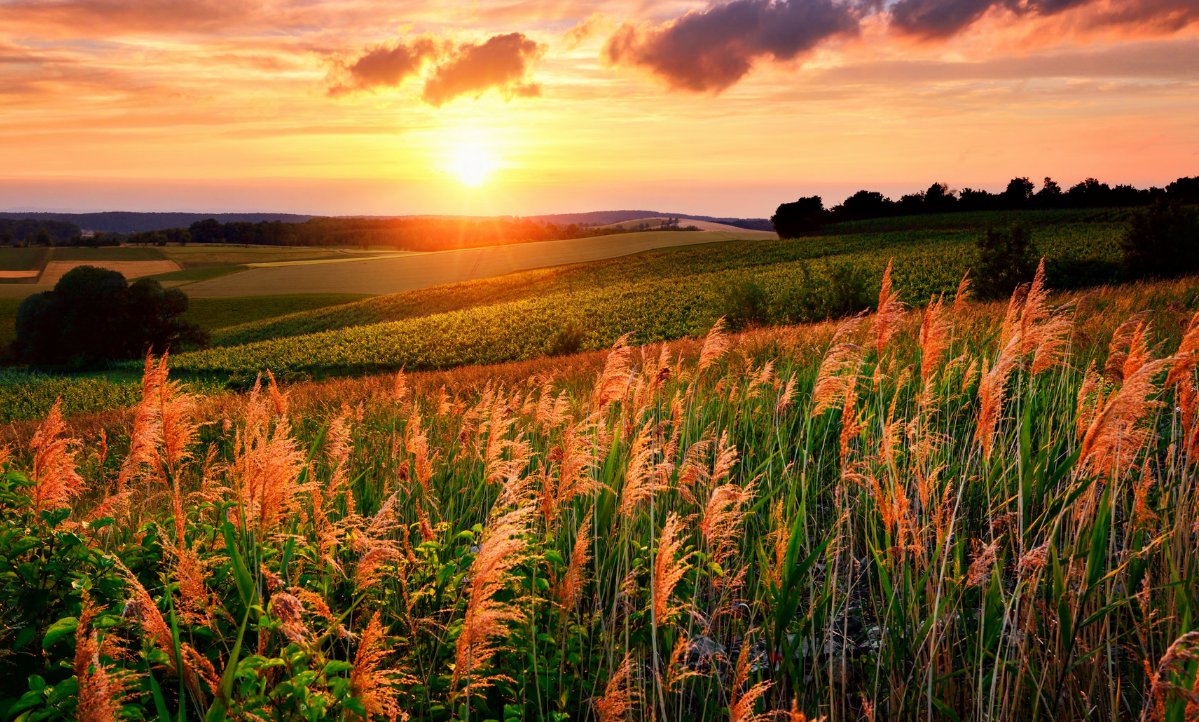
pixel 973 511
pixel 394 273
pixel 668 295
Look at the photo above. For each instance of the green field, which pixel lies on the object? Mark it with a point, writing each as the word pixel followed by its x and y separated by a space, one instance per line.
pixel 658 294
pixel 23 259
pixel 108 253
pixel 655 296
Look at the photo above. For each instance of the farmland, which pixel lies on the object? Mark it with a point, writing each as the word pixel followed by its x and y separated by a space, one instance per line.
pixel 981 511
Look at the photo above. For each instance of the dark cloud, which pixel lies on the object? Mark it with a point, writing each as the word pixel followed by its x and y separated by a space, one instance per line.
pixel 502 63
pixel 712 49
pixel 386 66
pixel 936 19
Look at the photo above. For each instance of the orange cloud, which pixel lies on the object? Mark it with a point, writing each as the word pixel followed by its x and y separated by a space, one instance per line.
pixel 502 62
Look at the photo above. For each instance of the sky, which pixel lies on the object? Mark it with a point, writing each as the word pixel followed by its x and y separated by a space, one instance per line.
pixel 522 107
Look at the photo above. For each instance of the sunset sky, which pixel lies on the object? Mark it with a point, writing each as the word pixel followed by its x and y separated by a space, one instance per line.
pixel 538 106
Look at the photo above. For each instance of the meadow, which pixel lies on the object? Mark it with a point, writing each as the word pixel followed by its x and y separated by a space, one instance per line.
pixel 969 511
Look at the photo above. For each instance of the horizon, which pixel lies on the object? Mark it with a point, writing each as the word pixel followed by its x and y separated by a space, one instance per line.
pixel 711 108
pixel 894 192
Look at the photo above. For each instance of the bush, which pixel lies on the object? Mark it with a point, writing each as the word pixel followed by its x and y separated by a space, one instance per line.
pixel 1006 258
pixel 93 315
pixel 835 290
pixel 745 305
pixel 568 340
pixel 1162 241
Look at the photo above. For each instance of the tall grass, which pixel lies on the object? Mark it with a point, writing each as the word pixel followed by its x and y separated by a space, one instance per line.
pixel 973 512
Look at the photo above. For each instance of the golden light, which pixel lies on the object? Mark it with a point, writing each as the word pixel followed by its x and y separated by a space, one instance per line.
pixel 472 163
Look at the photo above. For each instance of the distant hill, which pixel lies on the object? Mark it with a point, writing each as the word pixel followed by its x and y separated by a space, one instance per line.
pixel 133 222
pixel 611 218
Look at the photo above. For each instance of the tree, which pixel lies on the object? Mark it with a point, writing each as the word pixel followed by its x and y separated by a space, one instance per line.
pixel 1018 192
pixel 93 315
pixel 792 220
pixel 1050 195
pixel 864 204
pixel 1006 258
pixel 1162 241
pixel 939 199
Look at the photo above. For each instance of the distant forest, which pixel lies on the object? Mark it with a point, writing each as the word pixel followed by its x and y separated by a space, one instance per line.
pixel 808 213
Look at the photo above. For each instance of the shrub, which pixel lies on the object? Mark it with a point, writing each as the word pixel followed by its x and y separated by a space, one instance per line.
pixel 745 304
pixel 1162 241
pixel 835 290
pixel 1007 257
pixel 568 340
pixel 94 315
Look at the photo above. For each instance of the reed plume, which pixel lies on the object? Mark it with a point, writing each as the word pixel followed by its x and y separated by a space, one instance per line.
pixel 1119 431
pixel 1187 356
pixel 639 479
pixel 488 617
pixel 620 694
pixel 371 683
pixel 669 567
pixel 743 697
pixel 716 345
pixel 613 382
pixel 56 481
pixel 890 312
pixel 934 337
pixel 839 368
pixel 102 688
pixel 571 585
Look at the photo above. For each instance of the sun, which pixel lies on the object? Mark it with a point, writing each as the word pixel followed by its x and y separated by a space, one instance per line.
pixel 472 163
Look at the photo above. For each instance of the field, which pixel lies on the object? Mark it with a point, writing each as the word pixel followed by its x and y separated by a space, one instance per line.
pixel 395 273
pixel 974 511
pixel 654 296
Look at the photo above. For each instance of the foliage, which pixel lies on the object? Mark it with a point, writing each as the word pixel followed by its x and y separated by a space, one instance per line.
pixel 94 315
pixel 1162 241
pixel 792 220
pixel 1007 257
pixel 745 304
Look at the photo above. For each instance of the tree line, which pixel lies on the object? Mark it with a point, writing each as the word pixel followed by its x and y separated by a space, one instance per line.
pixel 808 213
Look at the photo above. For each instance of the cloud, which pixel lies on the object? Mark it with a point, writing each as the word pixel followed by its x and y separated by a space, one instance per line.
pixel 939 19
pixel 502 62
pixel 711 49
pixel 85 18
pixel 386 66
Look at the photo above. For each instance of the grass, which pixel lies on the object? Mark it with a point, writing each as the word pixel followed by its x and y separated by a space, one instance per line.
pixel 195 273
pixel 23 259
pixel 197 255
pixel 8 320
pixel 108 253
pixel 859 522
pixel 214 314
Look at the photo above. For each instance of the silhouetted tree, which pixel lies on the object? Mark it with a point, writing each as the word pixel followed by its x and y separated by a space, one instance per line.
pixel 939 199
pixel 792 220
pixel 94 315
pixel 1018 193
pixel 1050 195
pixel 1162 241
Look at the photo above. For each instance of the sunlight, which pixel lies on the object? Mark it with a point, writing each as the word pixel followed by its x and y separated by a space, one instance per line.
pixel 472 163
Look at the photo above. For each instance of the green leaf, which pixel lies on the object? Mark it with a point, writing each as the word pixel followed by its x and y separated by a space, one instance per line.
pixel 60 630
